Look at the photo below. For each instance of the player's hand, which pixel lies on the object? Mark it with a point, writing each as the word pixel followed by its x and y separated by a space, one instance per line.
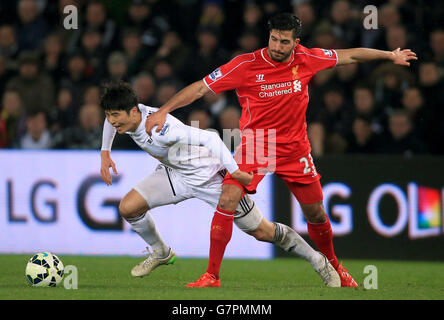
pixel 156 119
pixel 107 163
pixel 402 57
pixel 243 177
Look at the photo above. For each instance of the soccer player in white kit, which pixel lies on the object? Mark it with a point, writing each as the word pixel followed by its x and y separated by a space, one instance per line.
pixel 193 165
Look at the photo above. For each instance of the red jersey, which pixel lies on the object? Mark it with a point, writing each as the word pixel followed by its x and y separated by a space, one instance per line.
pixel 273 95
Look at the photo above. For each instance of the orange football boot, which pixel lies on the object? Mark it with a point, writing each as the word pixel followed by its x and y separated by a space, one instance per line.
pixel 205 280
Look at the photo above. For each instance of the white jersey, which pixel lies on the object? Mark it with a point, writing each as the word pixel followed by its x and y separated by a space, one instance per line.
pixel 195 154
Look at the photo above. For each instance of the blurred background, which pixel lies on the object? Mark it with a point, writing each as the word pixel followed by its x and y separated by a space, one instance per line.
pixel 376 129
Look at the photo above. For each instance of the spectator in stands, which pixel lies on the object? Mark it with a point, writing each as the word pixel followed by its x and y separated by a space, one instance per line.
pixel 396 37
pixel 250 40
pixel 305 12
pixel 163 71
pixel 389 81
pixel 173 50
pixel 324 37
pixel 53 57
pixel 97 19
pixel 37 134
pixel 6 72
pixel 413 104
pixel 92 95
pixel 76 79
pixel 36 88
pixel 209 55
pixel 12 119
pixel 63 114
pixel 345 26
pixel 135 53
pixel 117 67
pixel 71 61
pixel 31 28
pixel 401 138
pixel 431 85
pixel 253 18
pixel 9 47
pixel 200 118
pixel 336 120
pixel 164 92
pixel 145 88
pixel 86 135
pixel 363 139
pixel 437 45
pixel 346 76
pixel 215 103
pixel 94 52
pixel 151 26
pixel 365 106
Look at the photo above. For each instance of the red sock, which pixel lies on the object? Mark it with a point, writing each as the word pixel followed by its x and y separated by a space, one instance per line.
pixel 220 235
pixel 322 236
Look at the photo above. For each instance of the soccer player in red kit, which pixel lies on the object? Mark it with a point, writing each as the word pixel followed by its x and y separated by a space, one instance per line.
pixel 272 87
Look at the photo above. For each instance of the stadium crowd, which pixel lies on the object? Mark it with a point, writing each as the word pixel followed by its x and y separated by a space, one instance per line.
pixel 50 76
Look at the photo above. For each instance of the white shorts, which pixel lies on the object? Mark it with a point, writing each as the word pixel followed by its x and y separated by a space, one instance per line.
pixel 164 186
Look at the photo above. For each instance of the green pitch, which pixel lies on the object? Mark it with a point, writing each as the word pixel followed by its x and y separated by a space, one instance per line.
pixel 283 279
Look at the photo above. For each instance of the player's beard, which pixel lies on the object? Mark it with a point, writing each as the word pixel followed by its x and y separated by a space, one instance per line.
pixel 275 56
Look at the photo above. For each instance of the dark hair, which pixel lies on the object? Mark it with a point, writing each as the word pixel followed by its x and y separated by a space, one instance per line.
pixel 285 22
pixel 118 96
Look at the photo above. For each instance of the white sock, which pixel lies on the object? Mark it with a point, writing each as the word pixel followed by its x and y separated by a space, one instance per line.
pixel 289 240
pixel 144 226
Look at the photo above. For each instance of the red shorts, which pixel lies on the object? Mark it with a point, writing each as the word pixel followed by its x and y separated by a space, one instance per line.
pixel 298 173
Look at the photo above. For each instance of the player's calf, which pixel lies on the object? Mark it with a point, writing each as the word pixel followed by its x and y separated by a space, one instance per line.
pixel 264 232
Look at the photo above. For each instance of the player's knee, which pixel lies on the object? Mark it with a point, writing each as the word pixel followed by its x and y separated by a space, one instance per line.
pixel 125 210
pixel 230 197
pixel 227 202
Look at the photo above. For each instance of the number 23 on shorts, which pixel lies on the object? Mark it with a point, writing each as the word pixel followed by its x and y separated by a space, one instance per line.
pixel 308 165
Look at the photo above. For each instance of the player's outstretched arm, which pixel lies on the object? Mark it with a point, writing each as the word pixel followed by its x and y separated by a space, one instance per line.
pixel 184 97
pixel 360 55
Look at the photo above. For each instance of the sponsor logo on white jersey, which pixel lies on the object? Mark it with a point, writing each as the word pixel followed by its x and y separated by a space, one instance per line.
pixel 164 129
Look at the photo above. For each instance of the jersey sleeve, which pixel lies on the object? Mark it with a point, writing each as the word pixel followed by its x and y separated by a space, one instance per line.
pixel 319 59
pixel 108 135
pixel 230 75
